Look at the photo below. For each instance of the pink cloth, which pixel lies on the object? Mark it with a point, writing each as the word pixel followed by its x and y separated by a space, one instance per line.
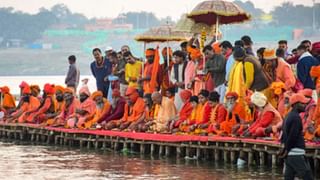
pixel 190 73
pixel 285 74
pixel 84 89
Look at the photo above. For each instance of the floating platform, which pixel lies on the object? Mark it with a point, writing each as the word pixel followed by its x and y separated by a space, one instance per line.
pixel 213 148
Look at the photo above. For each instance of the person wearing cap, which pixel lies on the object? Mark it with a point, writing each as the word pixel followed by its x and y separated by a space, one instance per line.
pixel 184 113
pixel 236 114
pixel 7 100
pixel 103 107
pixel 134 105
pixel 132 70
pixel 165 110
pixel 151 77
pixel 305 63
pixel 293 152
pixel 86 110
pixel 101 68
pixel 277 89
pixel 266 116
pixel 278 70
pixel 71 104
pixel 59 103
pixel 216 113
pixel 116 109
pixel 315 51
pixel 28 104
pixel 216 66
pixel 186 124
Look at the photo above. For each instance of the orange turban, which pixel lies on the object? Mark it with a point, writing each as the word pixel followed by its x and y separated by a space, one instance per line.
pixel 164 52
pixel 59 88
pixel 26 90
pixel 150 52
pixel 84 90
pixel 194 53
pixel 5 89
pixel 96 94
pixel 115 93
pixel 23 84
pixel 216 48
pixel 68 90
pixel 232 95
pixel 185 95
pixel 277 87
pixel 48 88
pixel 306 92
pixel 315 71
pixel 131 90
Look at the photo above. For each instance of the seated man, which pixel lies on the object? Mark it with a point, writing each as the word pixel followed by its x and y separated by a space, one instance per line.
pixel 185 125
pixel 46 108
pixel 165 110
pixel 85 111
pixel 235 113
pixel 146 123
pixel 267 116
pixel 103 107
pixel 133 111
pixel 116 109
pixel 315 73
pixel 8 102
pixel 185 111
pixel 28 104
pixel 71 103
pixel 59 102
pixel 217 114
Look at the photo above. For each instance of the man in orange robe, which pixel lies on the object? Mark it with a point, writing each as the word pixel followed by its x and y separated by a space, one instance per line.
pixel 235 114
pixel 7 100
pixel 165 110
pixel 71 103
pixel 133 111
pixel 102 107
pixel 216 113
pixel 151 76
pixel 185 111
pixel 46 108
pixel 85 111
pixel 191 119
pixel 28 103
pixel 59 103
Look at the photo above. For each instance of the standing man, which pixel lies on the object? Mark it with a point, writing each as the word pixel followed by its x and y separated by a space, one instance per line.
pixel 216 66
pixel 101 68
pixel 283 44
pixel 132 70
pixel 247 42
pixel 296 164
pixel 73 75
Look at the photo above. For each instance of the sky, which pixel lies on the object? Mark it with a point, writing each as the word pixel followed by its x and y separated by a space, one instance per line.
pixel 111 8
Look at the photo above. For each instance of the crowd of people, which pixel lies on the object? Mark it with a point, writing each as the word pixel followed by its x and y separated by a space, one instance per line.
pixel 223 89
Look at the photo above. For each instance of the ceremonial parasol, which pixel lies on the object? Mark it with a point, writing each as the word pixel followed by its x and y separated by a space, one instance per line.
pixel 188 25
pixel 215 12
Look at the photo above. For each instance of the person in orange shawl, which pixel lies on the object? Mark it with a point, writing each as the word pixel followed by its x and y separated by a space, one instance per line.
pixel 133 111
pixel 235 114
pixel 145 123
pixel 277 93
pixel 267 116
pixel 315 73
pixel 47 107
pixel 7 100
pixel 85 111
pixel 187 123
pixel 201 113
pixel 164 111
pixel 28 103
pixel 102 107
pixel 151 78
pixel 217 114
pixel 71 103
pixel 184 113
pixel 59 102
pixel 165 69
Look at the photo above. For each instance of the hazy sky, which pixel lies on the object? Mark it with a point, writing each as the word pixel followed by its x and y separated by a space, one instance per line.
pixel 111 8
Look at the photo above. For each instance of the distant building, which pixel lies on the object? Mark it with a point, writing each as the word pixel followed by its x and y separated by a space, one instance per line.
pixel 14 43
pixel 106 24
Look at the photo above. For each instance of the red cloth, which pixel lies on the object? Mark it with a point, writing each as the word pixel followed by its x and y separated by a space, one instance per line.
pixel 261 122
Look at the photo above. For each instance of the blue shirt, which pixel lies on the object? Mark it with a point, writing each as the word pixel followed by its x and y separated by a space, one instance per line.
pixel 100 73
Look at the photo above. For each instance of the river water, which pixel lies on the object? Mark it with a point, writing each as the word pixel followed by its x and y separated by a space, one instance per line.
pixel 26 161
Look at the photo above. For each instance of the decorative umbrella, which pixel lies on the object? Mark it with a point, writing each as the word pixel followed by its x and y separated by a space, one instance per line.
pixel 218 12
pixel 187 25
pixel 161 34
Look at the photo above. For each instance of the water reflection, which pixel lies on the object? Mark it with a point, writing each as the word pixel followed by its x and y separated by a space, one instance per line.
pixel 55 163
